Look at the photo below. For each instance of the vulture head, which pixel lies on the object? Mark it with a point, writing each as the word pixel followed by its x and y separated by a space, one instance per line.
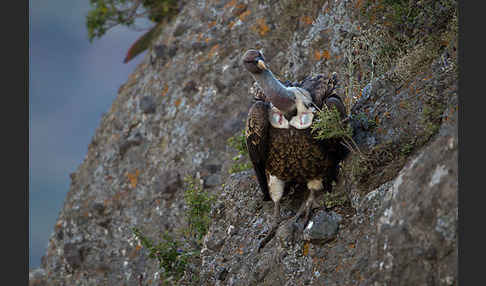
pixel 279 95
pixel 254 61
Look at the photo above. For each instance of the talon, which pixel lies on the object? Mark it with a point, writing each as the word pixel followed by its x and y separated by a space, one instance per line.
pixel 306 213
pixel 268 237
pixel 272 232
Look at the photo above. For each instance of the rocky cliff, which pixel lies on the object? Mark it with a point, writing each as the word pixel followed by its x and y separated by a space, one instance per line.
pixel 392 216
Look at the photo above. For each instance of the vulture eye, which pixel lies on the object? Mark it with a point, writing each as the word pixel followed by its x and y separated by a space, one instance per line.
pixel 251 61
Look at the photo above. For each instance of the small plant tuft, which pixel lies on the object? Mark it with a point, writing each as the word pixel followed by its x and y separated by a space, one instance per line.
pixel 169 254
pixel 198 205
pixel 407 148
pixel 240 167
pixel 177 257
pixel 327 125
pixel 364 119
pixel 238 142
pixel 335 199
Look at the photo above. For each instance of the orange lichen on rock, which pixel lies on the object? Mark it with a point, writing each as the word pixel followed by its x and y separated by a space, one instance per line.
pixel 230 4
pixel 306 20
pixel 58 225
pixel 211 24
pixel 165 90
pixel 305 250
pixel 318 55
pixel 213 50
pixel 199 37
pixel 412 89
pixel 260 27
pixel 241 6
pixel 133 178
pixel 326 10
pixel 244 15
pixel 326 54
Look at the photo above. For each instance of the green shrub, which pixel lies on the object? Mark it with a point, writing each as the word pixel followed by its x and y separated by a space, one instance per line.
pixel 240 167
pixel 335 199
pixel 399 38
pixel 238 142
pixel 198 205
pixel 169 254
pixel 106 14
pixel 175 256
pixel 327 125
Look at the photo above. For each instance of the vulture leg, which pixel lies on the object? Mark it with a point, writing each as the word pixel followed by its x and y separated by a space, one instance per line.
pixel 276 187
pixel 313 186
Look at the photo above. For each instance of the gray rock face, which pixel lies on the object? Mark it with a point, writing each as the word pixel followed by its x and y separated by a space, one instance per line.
pixel 147 104
pixel 403 233
pixel 37 277
pixel 322 227
pixel 190 94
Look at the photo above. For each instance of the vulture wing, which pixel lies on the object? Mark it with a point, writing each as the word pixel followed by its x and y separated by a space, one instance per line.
pixel 256 132
pixel 320 88
pixel 323 92
pixel 336 150
pixel 335 100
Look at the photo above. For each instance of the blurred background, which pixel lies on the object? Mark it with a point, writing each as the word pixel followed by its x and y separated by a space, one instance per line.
pixel 72 82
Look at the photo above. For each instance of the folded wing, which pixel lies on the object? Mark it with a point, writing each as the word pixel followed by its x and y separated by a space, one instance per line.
pixel 256 132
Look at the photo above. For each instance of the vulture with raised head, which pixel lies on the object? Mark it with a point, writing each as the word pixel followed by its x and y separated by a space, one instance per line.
pixel 280 144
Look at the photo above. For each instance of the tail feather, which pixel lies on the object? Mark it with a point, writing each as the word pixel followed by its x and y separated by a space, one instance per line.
pixel 262 181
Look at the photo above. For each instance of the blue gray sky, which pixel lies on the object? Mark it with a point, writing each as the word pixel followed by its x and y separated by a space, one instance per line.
pixel 71 83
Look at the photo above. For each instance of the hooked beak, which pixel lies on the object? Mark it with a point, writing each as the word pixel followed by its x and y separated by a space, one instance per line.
pixel 261 65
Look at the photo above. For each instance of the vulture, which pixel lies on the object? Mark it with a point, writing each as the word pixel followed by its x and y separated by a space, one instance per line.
pixel 279 139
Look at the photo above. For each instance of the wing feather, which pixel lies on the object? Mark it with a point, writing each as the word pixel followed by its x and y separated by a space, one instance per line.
pixel 320 87
pixel 335 100
pixel 257 142
pixel 336 151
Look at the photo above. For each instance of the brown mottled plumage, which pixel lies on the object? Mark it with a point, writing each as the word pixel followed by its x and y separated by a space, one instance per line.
pixel 256 133
pixel 284 154
pixel 294 155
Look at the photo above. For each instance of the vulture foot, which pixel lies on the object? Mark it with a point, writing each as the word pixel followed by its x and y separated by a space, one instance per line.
pixel 306 209
pixel 273 230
